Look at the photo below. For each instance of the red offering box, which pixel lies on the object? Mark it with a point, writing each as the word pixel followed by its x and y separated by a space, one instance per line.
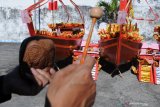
pixel 65 47
pixel 119 50
pixel 145 73
pixel 65 42
pixel 108 49
pixel 149 63
pixel 145 70
pixel 129 50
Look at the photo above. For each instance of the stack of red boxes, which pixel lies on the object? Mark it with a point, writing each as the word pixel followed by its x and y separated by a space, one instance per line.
pixel 149 69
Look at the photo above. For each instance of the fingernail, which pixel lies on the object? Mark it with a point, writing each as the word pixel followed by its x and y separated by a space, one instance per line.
pixel 32 68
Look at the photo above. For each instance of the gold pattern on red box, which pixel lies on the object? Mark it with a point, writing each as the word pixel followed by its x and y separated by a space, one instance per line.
pixel 128 31
pixel 63 30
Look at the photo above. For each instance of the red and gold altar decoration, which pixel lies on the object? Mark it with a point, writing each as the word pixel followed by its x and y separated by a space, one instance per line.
pixel 149 64
pixel 66 36
pixel 145 69
pixel 120 43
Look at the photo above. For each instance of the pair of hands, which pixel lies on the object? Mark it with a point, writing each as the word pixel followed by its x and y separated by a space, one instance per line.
pixel 72 86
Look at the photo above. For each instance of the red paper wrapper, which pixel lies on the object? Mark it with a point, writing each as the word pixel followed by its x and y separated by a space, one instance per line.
pixel 145 70
pixel 53 5
pixel 123 5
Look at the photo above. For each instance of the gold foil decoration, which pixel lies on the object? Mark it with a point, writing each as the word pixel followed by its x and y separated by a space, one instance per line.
pixel 145 73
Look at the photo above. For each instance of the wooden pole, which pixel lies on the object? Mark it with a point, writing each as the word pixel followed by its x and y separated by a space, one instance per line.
pixel 88 40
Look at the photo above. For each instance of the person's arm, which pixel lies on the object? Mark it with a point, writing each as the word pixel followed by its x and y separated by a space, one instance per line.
pixel 3 97
pixel 13 82
pixel 73 86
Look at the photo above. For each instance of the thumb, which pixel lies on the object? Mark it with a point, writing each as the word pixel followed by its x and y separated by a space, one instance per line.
pixel 52 72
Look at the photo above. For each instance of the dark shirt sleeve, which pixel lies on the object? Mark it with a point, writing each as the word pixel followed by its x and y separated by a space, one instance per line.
pixel 65 62
pixel 3 97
